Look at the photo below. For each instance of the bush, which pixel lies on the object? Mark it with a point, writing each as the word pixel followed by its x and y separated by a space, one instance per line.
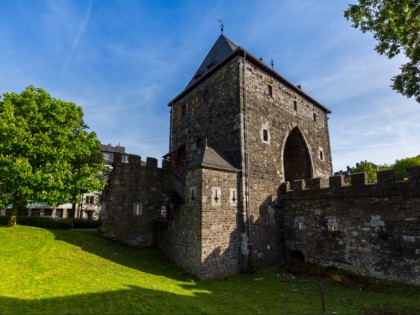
pixel 4 220
pixel 48 223
pixel 86 224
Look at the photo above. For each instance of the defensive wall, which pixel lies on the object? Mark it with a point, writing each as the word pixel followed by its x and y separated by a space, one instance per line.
pixel 132 199
pixel 200 228
pixel 369 228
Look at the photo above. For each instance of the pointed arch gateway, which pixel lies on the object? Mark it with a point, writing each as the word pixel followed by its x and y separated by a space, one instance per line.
pixel 296 157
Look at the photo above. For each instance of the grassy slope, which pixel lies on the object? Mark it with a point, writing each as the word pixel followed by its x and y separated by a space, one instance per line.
pixel 56 272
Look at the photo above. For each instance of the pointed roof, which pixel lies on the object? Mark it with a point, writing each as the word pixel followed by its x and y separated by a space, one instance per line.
pixel 211 158
pixel 222 48
pixel 225 50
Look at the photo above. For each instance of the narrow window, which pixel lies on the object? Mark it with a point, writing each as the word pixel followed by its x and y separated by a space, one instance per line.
pixel 270 90
pixel 265 135
pixel 321 155
pixel 295 105
pixel 184 110
pixel 314 117
pixel 137 209
pixel 206 96
pixel 233 197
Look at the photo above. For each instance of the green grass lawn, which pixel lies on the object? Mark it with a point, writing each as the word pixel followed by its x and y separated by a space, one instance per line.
pixel 76 272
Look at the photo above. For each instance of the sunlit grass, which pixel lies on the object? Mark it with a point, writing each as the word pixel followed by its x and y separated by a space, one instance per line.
pixel 75 272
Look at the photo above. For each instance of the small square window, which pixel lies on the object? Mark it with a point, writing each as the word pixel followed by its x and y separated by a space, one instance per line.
pixel 270 90
pixel 295 105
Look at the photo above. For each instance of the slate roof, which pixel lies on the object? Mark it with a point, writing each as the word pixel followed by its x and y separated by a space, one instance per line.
pixel 211 158
pixel 222 52
pixel 222 48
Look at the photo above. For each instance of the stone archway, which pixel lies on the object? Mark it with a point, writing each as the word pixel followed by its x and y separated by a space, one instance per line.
pixel 296 158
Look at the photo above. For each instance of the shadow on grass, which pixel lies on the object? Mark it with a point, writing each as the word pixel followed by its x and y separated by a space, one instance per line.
pixel 149 260
pixel 133 300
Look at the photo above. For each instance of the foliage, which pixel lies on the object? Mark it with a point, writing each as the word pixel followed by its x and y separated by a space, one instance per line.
pixel 86 224
pixel 44 222
pixel 46 152
pixel 77 272
pixel 395 24
pixel 369 168
pixel 400 166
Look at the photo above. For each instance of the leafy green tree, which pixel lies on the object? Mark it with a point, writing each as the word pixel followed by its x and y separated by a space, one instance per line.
pixel 46 151
pixel 368 167
pixel 400 166
pixel 396 26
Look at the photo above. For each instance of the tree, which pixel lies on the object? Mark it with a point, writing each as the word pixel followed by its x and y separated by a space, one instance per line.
pixel 396 26
pixel 368 167
pixel 46 151
pixel 400 166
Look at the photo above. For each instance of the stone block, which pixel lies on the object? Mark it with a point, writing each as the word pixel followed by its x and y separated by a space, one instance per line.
pixel 336 181
pixel 151 163
pixel 358 179
pixel 386 176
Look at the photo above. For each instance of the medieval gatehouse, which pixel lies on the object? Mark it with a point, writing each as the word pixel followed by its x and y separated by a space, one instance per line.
pixel 237 132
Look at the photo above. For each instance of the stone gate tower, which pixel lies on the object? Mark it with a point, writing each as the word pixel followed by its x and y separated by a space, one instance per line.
pixel 246 129
pixel 237 131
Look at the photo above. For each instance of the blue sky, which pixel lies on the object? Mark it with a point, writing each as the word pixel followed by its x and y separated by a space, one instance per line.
pixel 123 60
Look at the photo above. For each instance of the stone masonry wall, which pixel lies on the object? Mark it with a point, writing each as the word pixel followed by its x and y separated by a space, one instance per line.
pixel 132 200
pixel 180 237
pixel 220 225
pixel 271 107
pixel 371 229
pixel 211 110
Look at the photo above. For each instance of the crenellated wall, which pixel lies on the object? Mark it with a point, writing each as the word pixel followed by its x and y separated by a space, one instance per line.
pixel 132 199
pixel 369 228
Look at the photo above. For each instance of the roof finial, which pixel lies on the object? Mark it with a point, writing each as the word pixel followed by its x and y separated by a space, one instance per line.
pixel 272 63
pixel 222 25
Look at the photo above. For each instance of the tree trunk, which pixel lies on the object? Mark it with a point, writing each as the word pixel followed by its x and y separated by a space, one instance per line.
pixel 13 215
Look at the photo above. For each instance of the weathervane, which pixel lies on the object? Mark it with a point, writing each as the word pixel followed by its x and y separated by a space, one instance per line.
pixel 222 24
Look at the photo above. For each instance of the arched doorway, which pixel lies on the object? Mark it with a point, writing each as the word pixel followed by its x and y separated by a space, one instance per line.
pixel 296 158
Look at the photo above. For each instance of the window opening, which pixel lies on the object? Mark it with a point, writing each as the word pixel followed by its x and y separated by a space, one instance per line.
pixel 265 135
pixel 314 117
pixel 270 90
pixel 206 96
pixel 295 105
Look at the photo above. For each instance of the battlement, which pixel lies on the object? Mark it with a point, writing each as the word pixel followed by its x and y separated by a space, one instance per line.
pixel 358 183
pixel 151 163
